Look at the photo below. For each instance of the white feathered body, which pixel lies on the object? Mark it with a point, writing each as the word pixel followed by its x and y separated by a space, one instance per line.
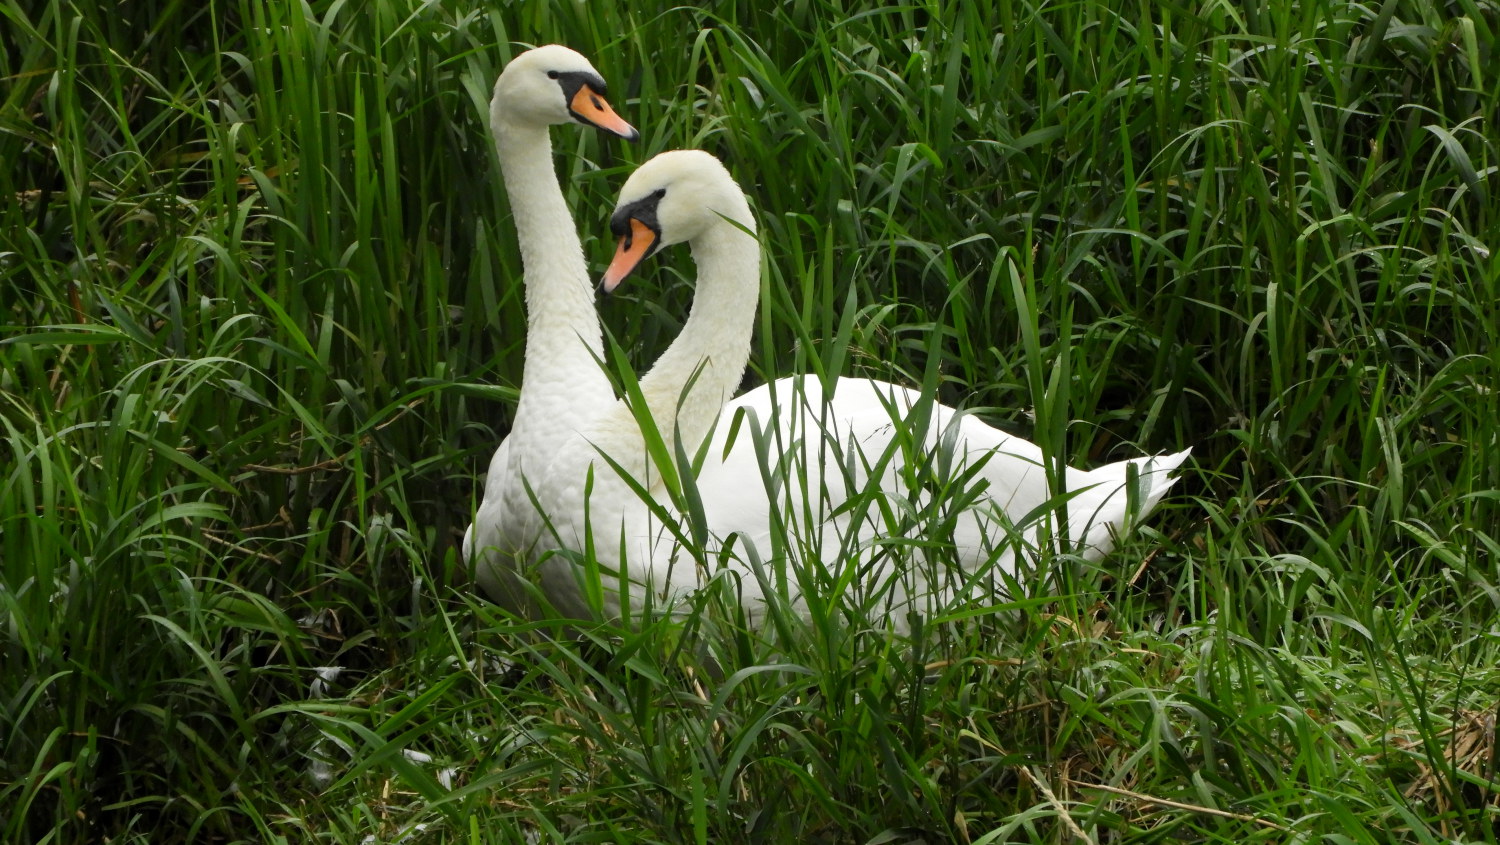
pixel 562 384
pixel 809 492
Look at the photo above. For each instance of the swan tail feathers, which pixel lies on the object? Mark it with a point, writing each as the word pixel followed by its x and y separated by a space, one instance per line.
pixel 1110 505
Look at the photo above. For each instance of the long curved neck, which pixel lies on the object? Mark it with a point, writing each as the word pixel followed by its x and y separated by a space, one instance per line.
pixel 562 383
pixel 714 346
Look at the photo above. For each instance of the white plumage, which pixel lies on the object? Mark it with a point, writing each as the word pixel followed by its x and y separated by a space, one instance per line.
pixel 822 450
pixel 562 385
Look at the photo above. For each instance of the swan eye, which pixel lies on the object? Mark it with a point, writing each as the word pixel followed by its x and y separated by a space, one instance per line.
pixel 659 193
pixel 552 74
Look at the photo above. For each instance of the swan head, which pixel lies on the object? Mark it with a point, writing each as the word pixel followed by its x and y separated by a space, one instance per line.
pixel 549 85
pixel 677 196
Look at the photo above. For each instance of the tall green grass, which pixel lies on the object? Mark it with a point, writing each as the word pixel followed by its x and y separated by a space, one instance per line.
pixel 262 329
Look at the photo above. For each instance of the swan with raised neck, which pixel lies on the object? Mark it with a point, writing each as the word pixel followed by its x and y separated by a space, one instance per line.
pixel 562 385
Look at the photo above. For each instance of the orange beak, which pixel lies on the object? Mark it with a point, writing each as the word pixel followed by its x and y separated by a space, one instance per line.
pixel 591 106
pixel 631 251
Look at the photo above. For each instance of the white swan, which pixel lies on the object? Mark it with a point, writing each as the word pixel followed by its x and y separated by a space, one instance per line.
pixel 826 452
pixel 561 382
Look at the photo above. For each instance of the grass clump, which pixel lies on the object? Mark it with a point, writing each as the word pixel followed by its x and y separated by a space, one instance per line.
pixel 261 332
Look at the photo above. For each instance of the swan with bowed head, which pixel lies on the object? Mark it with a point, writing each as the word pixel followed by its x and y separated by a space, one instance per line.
pixel 790 477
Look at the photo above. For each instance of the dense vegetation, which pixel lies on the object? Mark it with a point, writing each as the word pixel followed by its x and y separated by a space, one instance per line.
pixel 261 332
